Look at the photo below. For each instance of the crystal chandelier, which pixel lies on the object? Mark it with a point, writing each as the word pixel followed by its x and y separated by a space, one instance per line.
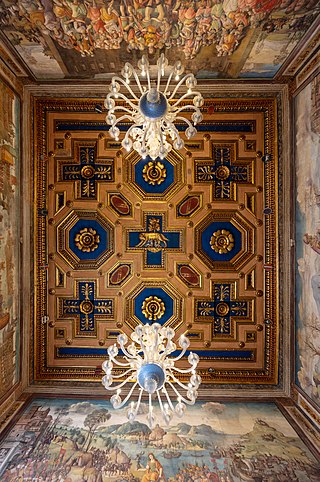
pixel 147 365
pixel 155 110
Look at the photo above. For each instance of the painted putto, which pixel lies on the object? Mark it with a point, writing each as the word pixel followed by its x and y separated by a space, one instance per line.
pixel 150 25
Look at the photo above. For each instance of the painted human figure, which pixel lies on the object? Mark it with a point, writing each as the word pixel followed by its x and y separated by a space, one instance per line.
pixel 154 470
pixel 313 241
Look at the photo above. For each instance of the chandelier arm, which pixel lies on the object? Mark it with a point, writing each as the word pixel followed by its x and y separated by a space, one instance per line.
pixel 122 404
pixel 179 356
pixel 125 116
pixel 168 398
pixel 161 138
pixel 117 362
pixel 127 354
pixel 159 73
pixel 168 83
pixel 143 347
pixel 123 374
pixel 195 93
pixel 136 76
pixel 184 119
pixel 124 83
pixel 187 370
pixel 143 140
pixel 150 414
pixel 175 131
pixel 180 109
pixel 117 387
pixel 160 401
pixel 138 402
pixel 122 96
pixel 161 67
pixel 157 342
pixel 120 108
pixel 148 77
pixel 182 385
pixel 167 352
pixel 129 130
pixel 185 400
pixel 187 76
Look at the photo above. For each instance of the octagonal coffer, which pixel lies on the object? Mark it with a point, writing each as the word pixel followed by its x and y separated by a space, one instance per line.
pixel 154 301
pixel 155 179
pixel 225 240
pixel 85 239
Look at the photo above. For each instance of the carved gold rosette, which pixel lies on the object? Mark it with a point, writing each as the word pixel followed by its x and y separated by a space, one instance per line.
pixel 222 241
pixel 153 308
pixel 154 173
pixel 87 240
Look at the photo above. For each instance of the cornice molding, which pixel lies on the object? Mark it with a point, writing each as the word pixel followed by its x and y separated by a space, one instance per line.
pixel 211 89
pixel 204 393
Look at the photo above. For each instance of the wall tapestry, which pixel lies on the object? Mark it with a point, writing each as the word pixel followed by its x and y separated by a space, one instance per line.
pixel 238 38
pixel 9 237
pixel 308 241
pixel 188 241
pixel 86 440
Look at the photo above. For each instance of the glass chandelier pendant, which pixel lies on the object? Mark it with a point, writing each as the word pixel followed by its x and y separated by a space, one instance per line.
pixel 150 370
pixel 154 112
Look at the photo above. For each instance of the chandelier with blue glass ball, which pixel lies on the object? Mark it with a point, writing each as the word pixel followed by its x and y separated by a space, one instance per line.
pixel 147 366
pixel 153 109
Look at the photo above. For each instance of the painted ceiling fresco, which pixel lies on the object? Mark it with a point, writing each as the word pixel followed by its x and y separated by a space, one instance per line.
pixel 93 38
pixel 188 241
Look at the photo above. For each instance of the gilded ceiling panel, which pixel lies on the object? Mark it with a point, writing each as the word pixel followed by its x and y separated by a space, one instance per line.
pixel 189 241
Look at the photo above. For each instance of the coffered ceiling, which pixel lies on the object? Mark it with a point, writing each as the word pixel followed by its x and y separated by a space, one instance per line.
pixel 189 241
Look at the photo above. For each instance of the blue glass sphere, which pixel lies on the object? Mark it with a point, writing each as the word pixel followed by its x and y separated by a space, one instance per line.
pixel 151 372
pixel 153 110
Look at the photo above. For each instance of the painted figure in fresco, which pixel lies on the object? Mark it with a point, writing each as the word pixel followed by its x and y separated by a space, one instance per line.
pixel 313 241
pixel 154 470
pixel 87 25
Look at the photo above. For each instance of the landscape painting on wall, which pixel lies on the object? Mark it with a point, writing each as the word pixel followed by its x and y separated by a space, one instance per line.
pixel 9 237
pixel 308 241
pixel 75 440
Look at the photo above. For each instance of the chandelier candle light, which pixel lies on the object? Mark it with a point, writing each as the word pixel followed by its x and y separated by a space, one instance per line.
pixel 147 365
pixel 153 112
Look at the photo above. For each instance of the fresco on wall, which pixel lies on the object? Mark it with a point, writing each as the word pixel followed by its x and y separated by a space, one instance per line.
pixel 58 38
pixel 9 237
pixel 73 440
pixel 308 239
